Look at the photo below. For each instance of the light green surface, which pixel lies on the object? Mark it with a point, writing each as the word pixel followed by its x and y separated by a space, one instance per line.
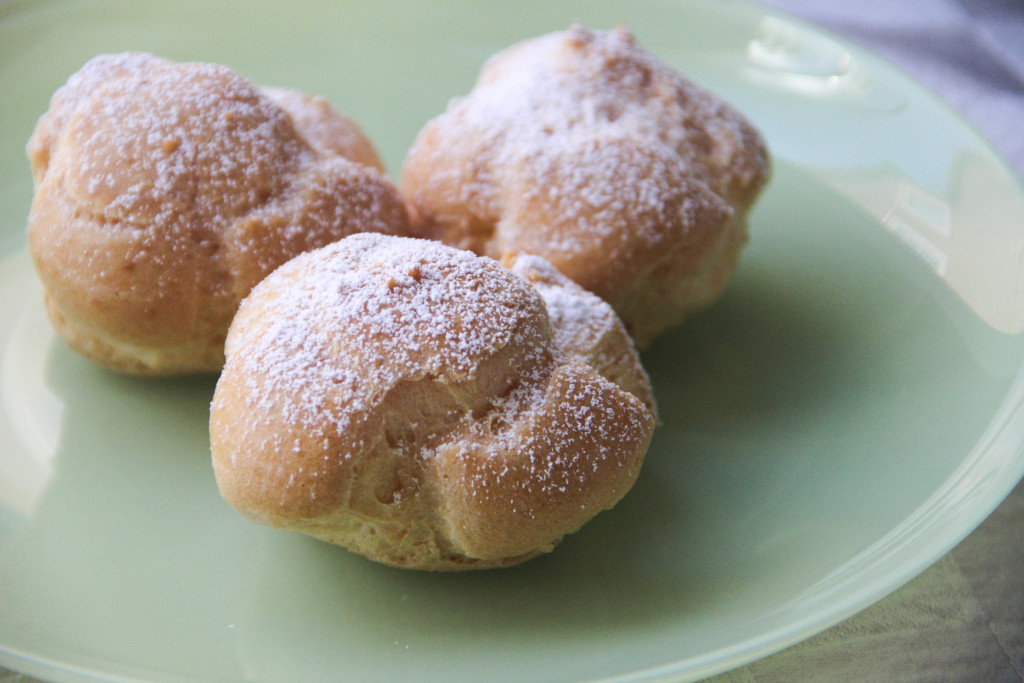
pixel 848 411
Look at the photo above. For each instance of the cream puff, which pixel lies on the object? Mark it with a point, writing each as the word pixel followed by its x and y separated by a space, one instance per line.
pixel 164 191
pixel 426 407
pixel 584 148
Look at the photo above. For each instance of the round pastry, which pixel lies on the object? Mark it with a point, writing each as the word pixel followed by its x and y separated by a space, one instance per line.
pixel 421 406
pixel 165 191
pixel 582 147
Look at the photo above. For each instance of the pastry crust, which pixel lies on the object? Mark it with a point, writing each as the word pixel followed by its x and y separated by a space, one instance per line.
pixel 426 407
pixel 583 148
pixel 165 191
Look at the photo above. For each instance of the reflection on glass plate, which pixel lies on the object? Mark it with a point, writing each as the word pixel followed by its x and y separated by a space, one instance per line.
pixel 848 412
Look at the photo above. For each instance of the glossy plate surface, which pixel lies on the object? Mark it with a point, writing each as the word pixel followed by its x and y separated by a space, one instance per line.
pixel 848 412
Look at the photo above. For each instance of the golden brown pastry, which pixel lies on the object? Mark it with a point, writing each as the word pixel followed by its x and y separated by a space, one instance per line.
pixel 426 407
pixel 584 148
pixel 165 191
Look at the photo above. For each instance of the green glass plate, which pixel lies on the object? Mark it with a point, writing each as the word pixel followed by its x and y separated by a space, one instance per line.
pixel 849 411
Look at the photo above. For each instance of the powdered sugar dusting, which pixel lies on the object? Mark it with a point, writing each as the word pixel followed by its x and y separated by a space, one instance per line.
pixel 151 138
pixel 592 99
pixel 442 368
pixel 584 148
pixel 165 191
pixel 577 316
pixel 359 317
pixel 585 326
